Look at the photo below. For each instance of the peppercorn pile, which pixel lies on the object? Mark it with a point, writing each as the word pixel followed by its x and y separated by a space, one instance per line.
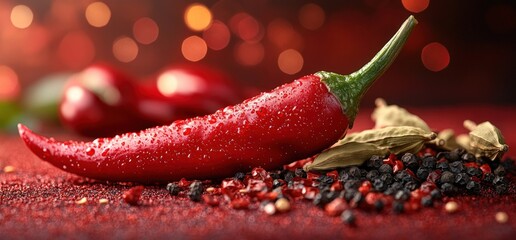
pixel 382 184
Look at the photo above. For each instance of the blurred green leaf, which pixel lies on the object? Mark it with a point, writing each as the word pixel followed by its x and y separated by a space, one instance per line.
pixel 41 100
pixel 10 112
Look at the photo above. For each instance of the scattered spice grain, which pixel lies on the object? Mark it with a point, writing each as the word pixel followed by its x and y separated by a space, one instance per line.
pixel 501 217
pixel 451 207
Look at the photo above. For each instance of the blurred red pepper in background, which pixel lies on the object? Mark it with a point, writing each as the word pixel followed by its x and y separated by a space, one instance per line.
pixel 184 91
pixel 99 101
pixel 102 101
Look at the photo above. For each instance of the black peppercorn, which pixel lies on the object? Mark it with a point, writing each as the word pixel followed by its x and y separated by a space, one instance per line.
pixel 277 183
pixel 436 194
pixel 422 173
pixel 455 154
pixel 403 176
pixel 343 175
pixel 501 188
pixel 389 191
pixel 385 168
pixel 363 173
pixel 441 155
pixel 397 207
pixel 348 217
pixel 510 166
pixel 499 171
pixel 354 173
pixel 447 177
pixel 428 162
pixel 488 177
pixel 397 186
pixel 481 161
pixel 173 189
pixel 444 165
pixel 461 179
pixel 499 180
pixel 379 185
pixel 349 194
pixel 410 161
pixel 351 184
pixel 473 187
pixel 325 181
pixel 468 157
pixel 378 205
pixel 300 173
pixel 387 178
pixel 288 176
pixel 321 198
pixel 373 174
pixel 402 195
pixel 427 201
pixel 375 161
pixel 448 189
pixel 456 167
pixel 356 200
pixel 474 172
pixel 239 176
pixel 274 175
pixel 411 186
pixel 195 192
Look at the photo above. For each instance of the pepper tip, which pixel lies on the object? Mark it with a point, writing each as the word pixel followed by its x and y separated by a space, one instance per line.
pixel 412 18
pixel 21 129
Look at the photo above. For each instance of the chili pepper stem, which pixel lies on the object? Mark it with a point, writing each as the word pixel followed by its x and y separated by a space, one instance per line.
pixel 349 89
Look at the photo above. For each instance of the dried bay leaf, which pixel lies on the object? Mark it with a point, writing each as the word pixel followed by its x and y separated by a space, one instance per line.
pixel 356 148
pixel 484 140
pixel 392 115
pixel 347 154
pixel 398 139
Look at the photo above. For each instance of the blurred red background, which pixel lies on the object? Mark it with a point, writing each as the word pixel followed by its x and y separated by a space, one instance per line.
pixel 461 53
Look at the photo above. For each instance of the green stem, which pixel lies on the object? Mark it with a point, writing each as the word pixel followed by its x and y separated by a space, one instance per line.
pixel 349 89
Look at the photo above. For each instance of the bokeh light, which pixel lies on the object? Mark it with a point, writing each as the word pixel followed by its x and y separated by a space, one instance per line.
pixel 217 36
pixel 197 17
pixel 10 86
pixel 21 16
pixel 175 82
pixel 75 100
pixel 76 49
pixel 290 61
pixel 435 57
pixel 194 48
pixel 246 27
pixel 415 6
pixel 98 14
pixel 145 30
pixel 125 49
pixel 311 16
pixel 249 54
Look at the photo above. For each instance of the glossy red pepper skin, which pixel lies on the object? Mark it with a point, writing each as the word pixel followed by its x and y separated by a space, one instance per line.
pixel 291 122
pixel 98 101
pixel 102 101
pixel 185 90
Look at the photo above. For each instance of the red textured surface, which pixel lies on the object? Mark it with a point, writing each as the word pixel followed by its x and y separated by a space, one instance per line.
pixel 39 201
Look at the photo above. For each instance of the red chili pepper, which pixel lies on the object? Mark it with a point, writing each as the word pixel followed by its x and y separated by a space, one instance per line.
pixel 184 91
pixel 293 121
pixel 98 101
